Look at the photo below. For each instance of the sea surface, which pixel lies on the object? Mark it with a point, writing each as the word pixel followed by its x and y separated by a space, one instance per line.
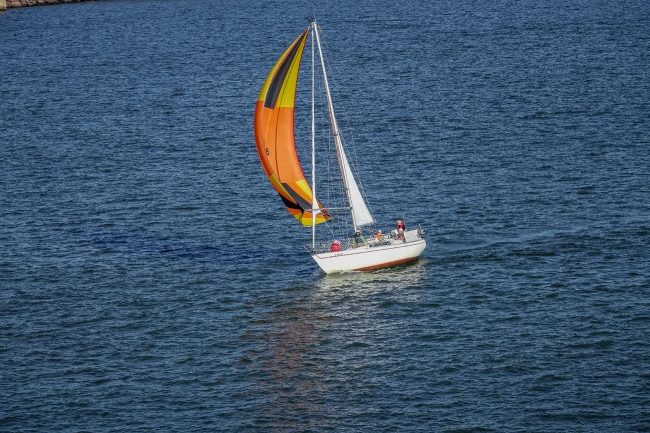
pixel 152 280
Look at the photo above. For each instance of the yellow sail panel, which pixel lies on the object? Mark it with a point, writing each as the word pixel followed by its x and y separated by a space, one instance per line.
pixel 274 135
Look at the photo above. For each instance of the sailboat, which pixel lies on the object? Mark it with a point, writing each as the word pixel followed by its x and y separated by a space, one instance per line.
pixel 274 136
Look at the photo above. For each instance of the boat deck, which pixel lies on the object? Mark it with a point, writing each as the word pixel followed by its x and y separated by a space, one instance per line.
pixel 338 245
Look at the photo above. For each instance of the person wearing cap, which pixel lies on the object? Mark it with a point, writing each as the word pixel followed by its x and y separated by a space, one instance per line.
pixel 358 239
pixel 378 235
pixel 401 225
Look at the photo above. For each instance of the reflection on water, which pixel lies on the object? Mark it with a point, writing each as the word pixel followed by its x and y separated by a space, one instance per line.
pixel 296 348
pixel 365 283
pixel 284 365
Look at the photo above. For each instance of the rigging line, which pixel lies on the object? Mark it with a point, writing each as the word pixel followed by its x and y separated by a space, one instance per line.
pixel 322 140
pixel 335 184
pixel 348 179
pixel 327 224
pixel 328 136
pixel 350 144
pixel 355 162
pixel 335 189
pixel 352 117
pixel 325 139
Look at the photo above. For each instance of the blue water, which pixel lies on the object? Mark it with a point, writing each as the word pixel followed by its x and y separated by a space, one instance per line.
pixel 152 280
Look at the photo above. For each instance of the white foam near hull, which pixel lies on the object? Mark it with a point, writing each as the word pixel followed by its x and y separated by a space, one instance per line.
pixel 367 257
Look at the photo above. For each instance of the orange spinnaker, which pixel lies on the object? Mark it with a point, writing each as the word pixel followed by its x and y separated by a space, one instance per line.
pixel 274 135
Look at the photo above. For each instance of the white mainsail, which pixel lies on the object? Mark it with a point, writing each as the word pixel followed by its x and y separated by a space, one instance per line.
pixel 360 211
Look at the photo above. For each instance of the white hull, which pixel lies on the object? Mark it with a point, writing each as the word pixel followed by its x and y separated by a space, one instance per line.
pixel 366 257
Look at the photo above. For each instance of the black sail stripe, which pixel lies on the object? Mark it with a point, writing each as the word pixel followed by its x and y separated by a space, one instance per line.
pixel 290 204
pixel 278 80
pixel 301 202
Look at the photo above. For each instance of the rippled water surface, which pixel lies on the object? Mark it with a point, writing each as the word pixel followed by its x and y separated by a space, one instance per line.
pixel 151 279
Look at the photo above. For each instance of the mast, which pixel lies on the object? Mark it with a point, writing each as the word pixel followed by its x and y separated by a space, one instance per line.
pixel 335 128
pixel 313 154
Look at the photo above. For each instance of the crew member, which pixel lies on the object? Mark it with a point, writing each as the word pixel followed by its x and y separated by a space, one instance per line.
pixel 359 239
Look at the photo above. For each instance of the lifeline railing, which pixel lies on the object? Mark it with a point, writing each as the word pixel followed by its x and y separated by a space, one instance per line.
pixel 341 244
